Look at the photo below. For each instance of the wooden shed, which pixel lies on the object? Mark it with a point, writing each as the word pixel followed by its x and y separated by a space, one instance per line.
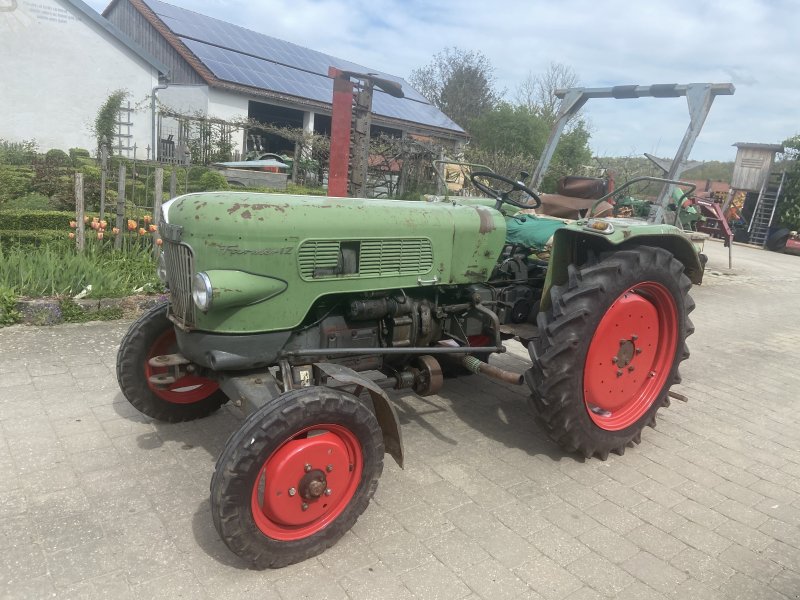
pixel 753 165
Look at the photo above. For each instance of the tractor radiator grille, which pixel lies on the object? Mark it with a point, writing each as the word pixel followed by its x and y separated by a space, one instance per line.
pixel 325 259
pixel 180 270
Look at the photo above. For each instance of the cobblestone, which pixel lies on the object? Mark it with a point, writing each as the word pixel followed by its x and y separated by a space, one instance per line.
pixel 97 501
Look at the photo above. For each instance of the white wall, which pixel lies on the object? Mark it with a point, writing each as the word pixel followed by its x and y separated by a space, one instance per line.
pixel 184 99
pixel 57 68
pixel 229 107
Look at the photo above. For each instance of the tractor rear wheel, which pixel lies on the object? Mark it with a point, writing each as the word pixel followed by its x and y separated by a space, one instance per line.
pixel 190 397
pixel 609 350
pixel 296 476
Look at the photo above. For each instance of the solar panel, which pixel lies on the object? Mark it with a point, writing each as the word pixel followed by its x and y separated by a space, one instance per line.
pixel 246 57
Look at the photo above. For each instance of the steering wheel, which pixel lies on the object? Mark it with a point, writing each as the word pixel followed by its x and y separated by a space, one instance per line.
pixel 502 196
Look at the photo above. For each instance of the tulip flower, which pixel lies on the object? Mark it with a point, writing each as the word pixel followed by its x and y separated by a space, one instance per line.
pixel 159 241
pixel 131 225
pixel 142 231
pixel 104 224
pixel 147 218
pixel 86 219
pixel 71 235
pixel 73 224
pixel 153 228
pixel 99 235
pixel 115 230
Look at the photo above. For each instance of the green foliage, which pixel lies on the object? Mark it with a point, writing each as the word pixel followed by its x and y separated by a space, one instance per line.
pixel 71 312
pixel 459 82
pixel 510 129
pixel 302 190
pixel 8 307
pixel 789 208
pixel 55 220
pixel 57 157
pixel 77 154
pixel 212 181
pixel 17 153
pixel 27 238
pixel 105 123
pixel 15 181
pixel 511 138
pixel 55 181
pixel 54 272
pixel 30 201
pixel 714 170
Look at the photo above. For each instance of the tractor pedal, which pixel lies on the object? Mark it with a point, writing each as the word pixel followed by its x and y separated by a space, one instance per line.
pixel 168 360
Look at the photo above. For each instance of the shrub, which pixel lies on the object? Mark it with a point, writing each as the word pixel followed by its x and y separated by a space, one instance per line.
pixel 17 153
pixel 34 239
pixel 21 220
pixel 105 122
pixel 31 201
pixel 75 154
pixel 8 307
pixel 57 157
pixel 14 182
pixel 212 181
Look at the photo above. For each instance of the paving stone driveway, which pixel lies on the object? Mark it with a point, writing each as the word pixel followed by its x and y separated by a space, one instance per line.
pixel 98 501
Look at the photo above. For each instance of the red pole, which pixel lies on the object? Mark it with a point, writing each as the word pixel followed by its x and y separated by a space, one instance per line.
pixel 341 118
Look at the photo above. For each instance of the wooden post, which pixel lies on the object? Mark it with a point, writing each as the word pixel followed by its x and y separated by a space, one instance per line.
pixel 103 175
pixel 158 196
pixel 120 207
pixel 173 183
pixel 80 240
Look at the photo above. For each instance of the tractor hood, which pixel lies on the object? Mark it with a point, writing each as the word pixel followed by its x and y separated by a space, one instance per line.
pixel 320 246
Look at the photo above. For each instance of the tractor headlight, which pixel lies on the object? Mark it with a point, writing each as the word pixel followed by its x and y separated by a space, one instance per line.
pixel 202 292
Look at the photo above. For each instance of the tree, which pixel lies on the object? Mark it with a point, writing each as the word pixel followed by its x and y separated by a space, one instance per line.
pixel 789 208
pixel 458 82
pixel 537 93
pixel 511 138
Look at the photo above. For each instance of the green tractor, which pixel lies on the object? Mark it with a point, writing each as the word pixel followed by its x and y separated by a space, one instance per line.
pixel 303 311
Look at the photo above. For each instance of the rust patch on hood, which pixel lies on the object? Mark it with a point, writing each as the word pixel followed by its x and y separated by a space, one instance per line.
pixel 246 214
pixel 487 222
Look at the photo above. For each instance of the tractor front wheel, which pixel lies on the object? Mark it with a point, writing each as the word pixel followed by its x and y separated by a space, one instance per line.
pixel 296 476
pixel 189 397
pixel 609 349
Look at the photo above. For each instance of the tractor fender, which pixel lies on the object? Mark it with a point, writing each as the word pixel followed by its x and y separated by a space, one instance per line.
pixel 570 243
pixel 384 409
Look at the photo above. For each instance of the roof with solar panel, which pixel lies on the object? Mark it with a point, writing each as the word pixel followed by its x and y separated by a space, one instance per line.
pixel 227 55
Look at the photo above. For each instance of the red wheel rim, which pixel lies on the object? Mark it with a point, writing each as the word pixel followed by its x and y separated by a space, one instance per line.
pixel 307 482
pixel 186 390
pixel 630 356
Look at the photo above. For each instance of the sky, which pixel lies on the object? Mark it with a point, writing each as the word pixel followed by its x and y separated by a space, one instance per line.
pixel 749 43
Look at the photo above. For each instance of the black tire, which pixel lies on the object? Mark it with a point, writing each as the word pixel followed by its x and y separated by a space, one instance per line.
pixel 777 241
pixel 132 357
pixel 566 332
pixel 261 436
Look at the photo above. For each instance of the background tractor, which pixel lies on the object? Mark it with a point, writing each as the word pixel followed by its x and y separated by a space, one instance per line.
pixel 304 311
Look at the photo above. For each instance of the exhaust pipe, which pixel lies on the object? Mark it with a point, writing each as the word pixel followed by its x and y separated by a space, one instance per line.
pixel 478 366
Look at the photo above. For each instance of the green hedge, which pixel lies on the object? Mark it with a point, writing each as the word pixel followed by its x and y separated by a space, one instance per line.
pixel 29 220
pixel 34 238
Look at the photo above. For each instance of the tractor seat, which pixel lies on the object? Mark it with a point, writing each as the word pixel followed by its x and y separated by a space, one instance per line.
pixel 570 207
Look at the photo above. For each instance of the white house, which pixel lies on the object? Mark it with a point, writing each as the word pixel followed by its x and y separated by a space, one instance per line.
pixel 59 62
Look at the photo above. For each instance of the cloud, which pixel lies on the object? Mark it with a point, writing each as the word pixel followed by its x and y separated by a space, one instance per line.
pixel 747 42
